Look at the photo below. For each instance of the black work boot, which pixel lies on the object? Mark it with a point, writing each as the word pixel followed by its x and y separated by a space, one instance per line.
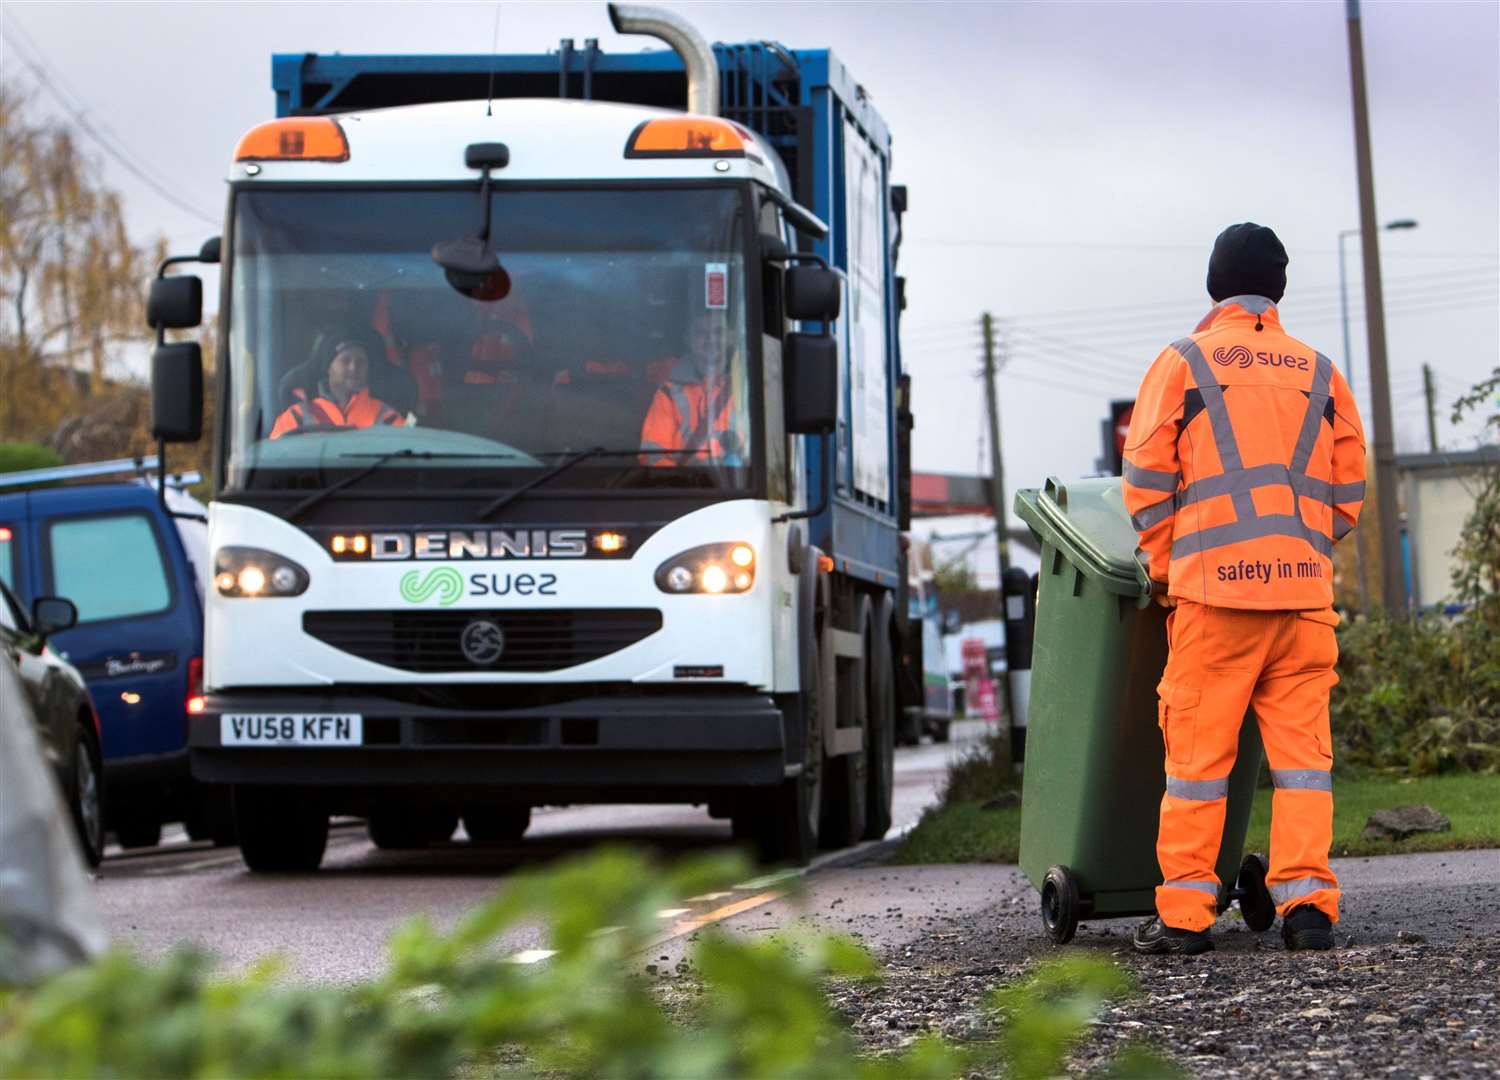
pixel 1155 936
pixel 1305 927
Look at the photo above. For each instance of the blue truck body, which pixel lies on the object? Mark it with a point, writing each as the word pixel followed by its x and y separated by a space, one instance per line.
pixel 822 123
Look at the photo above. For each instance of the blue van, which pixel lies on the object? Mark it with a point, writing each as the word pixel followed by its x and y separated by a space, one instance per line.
pixel 136 572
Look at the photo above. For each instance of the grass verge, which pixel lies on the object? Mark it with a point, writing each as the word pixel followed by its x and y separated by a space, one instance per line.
pixel 963 830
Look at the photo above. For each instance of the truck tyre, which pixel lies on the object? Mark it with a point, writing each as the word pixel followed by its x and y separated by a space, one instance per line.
pixel 496 824
pixel 942 731
pixel 845 786
pixel 402 827
pixel 138 831
pixel 880 739
pixel 279 831
pixel 85 793
pixel 210 815
pixel 782 821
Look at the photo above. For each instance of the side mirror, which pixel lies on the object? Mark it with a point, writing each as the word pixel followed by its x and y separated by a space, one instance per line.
pixel 813 292
pixel 52 614
pixel 209 252
pixel 177 392
pixel 810 366
pixel 175 303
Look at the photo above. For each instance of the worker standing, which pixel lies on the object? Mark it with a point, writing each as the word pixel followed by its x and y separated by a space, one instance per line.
pixel 1244 465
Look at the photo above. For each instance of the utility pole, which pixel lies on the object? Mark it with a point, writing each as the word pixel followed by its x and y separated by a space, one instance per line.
pixel 1002 745
pixel 1431 394
pixel 1392 573
pixel 997 466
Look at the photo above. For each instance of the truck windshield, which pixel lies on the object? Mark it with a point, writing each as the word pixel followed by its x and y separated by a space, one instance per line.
pixel 621 327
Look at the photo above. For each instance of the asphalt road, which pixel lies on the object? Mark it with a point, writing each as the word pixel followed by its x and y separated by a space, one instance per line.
pixel 333 924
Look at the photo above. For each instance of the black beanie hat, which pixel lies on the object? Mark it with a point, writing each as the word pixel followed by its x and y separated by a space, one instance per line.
pixel 1247 258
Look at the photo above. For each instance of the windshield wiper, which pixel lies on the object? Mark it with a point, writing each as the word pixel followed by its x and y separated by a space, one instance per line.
pixel 537 481
pixel 380 459
pixel 566 464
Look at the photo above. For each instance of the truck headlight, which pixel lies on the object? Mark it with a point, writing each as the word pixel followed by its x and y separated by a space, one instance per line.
pixel 711 568
pixel 247 572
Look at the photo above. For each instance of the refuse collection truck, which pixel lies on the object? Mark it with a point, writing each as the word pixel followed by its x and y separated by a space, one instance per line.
pixel 560 445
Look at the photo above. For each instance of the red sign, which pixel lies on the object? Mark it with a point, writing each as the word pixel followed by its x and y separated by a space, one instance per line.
pixel 986 701
pixel 976 665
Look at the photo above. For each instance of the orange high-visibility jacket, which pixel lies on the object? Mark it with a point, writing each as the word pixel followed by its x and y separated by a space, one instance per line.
pixel 685 415
pixel 362 411
pixel 1244 464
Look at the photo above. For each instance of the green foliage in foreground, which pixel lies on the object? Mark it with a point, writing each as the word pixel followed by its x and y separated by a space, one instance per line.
pixel 451 1002
pixel 967 832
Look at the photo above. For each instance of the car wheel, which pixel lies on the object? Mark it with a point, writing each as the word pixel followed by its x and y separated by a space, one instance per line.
pixel 87 797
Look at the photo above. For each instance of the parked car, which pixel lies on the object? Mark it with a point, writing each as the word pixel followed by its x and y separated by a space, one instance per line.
pixel 59 699
pixel 135 570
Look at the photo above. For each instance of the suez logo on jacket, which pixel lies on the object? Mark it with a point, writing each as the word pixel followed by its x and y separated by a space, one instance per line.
pixel 1243 357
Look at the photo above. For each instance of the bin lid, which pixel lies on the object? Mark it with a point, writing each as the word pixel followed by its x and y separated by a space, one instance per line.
pixel 1088 522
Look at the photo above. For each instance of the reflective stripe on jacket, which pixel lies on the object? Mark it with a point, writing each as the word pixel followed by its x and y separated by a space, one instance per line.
pixel 362 411
pixel 686 415
pixel 1245 463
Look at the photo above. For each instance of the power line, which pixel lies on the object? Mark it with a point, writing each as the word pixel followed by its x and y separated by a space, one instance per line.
pixel 121 154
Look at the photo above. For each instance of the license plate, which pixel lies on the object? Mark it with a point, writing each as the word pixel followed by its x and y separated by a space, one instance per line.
pixel 291 729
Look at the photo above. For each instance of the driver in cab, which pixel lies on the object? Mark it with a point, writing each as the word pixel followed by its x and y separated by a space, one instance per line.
pixel 694 409
pixel 342 397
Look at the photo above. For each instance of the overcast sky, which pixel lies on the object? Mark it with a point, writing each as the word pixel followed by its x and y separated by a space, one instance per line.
pixel 1069 166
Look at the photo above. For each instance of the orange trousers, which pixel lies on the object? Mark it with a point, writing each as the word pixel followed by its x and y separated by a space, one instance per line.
pixel 1279 665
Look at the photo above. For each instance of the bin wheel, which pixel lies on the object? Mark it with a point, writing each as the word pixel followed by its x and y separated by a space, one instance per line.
pixel 1060 904
pixel 1256 904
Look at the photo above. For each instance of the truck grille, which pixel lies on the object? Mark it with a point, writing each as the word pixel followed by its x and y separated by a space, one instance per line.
pixel 451 641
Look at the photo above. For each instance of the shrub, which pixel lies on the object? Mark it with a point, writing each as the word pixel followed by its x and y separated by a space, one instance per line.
pixel 449 1002
pixel 20 456
pixel 1419 695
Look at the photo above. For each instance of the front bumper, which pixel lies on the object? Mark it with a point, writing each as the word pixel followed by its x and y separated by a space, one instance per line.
pixel 677 747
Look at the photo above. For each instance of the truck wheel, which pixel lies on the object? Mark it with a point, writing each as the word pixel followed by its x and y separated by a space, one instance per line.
pixel 279 831
pixel 880 737
pixel 85 796
pixel 942 731
pixel 845 787
pixel 496 824
pixel 138 832
pixel 401 827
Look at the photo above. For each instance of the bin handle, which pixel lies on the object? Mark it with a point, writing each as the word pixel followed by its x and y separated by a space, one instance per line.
pixel 1056 492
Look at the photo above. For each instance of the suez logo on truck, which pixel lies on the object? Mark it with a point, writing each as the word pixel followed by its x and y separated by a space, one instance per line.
pixel 447 585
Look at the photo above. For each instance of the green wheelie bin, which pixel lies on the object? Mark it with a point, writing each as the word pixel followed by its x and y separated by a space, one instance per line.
pixel 1095 773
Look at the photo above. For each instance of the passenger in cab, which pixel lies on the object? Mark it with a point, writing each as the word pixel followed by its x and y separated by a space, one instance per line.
pixel 694 409
pixel 341 397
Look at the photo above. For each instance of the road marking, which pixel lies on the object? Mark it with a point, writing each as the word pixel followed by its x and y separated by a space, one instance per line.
pixel 530 956
pixel 728 911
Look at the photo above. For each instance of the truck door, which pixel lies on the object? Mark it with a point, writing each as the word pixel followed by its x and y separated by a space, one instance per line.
pixel 135 631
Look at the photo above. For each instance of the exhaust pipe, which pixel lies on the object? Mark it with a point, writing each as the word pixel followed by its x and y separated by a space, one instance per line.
pixel 697 57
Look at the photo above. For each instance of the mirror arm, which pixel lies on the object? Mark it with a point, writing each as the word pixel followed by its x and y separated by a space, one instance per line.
pixel 825 472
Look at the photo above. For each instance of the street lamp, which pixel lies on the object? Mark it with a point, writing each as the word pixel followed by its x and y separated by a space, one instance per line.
pixel 1359 534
